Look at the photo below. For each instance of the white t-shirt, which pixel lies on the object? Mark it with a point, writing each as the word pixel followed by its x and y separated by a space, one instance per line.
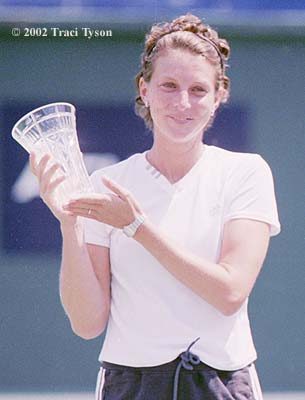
pixel 154 317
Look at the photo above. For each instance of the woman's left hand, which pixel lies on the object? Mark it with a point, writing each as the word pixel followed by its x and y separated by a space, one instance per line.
pixel 118 209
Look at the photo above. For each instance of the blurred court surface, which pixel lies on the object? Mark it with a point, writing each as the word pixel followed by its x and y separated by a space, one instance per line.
pixel 90 396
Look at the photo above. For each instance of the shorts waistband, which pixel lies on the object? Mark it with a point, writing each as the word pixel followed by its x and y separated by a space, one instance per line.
pixel 167 367
pixel 185 360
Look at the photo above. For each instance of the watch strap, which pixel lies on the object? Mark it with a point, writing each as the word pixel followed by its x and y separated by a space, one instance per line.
pixel 131 229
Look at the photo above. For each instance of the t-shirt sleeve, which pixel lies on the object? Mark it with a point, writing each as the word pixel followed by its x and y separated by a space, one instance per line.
pixel 250 193
pixel 96 232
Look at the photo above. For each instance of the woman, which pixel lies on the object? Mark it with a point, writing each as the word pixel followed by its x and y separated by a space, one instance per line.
pixel 173 239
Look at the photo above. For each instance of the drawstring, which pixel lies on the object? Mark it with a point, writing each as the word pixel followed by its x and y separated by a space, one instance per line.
pixel 188 360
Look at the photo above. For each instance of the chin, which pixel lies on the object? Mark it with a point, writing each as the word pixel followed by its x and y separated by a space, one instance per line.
pixel 184 136
pixel 176 133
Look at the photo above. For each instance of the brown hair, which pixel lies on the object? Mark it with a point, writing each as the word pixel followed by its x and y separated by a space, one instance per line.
pixel 185 32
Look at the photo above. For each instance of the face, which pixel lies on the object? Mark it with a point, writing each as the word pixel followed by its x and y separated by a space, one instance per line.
pixel 181 95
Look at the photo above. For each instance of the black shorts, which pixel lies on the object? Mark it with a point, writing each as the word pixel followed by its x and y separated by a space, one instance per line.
pixel 185 378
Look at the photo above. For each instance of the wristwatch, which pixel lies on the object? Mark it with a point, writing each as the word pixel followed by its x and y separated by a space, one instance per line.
pixel 131 229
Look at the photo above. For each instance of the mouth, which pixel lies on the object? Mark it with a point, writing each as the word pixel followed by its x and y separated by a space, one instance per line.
pixel 180 120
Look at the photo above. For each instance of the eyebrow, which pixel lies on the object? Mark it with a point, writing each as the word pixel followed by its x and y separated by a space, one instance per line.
pixel 195 83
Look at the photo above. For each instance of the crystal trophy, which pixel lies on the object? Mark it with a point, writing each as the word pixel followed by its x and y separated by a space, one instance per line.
pixel 52 129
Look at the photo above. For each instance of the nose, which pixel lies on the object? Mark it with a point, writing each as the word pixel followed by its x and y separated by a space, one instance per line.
pixel 183 100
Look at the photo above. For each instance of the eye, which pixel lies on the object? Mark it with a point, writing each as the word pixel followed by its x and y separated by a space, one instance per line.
pixel 199 90
pixel 169 85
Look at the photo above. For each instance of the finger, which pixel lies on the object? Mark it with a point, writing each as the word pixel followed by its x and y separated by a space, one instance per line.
pixel 42 165
pixel 49 173
pixel 115 187
pixel 83 213
pixel 78 208
pixel 53 185
pixel 33 162
pixel 122 193
pixel 95 199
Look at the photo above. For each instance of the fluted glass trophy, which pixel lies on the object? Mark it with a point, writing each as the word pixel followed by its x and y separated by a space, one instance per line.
pixel 52 129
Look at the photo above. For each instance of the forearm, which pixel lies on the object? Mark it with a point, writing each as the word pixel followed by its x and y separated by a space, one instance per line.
pixel 209 280
pixel 81 294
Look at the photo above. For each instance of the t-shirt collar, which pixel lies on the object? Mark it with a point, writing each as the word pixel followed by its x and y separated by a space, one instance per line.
pixel 182 183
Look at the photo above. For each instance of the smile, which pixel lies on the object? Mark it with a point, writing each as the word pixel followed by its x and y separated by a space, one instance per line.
pixel 181 120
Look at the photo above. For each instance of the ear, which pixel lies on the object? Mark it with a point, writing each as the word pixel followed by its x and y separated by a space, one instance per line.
pixel 219 96
pixel 143 89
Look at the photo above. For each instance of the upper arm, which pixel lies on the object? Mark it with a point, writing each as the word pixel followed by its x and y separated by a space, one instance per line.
pixel 244 248
pixel 100 260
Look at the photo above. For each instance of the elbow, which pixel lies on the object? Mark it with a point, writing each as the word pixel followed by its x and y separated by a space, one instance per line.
pixel 87 335
pixel 229 310
pixel 231 304
pixel 88 331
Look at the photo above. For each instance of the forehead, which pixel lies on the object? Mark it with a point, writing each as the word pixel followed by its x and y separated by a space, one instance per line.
pixel 178 63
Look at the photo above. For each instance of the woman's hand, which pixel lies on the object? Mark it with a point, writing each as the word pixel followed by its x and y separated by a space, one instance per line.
pixel 49 177
pixel 117 209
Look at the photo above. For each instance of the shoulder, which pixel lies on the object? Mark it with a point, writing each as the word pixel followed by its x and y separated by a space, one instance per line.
pixel 232 162
pixel 116 171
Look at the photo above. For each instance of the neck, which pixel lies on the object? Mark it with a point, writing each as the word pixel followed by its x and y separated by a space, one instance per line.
pixel 174 161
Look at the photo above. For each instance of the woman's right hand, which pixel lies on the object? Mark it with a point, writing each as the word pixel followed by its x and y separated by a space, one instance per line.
pixel 46 172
